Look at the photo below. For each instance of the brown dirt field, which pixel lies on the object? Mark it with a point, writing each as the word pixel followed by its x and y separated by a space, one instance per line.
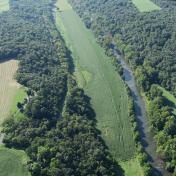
pixel 8 87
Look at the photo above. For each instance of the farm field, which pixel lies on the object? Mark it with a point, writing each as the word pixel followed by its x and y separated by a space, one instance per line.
pixel 12 162
pixel 19 97
pixel 145 5
pixel 8 87
pixel 94 72
pixel 4 5
pixel 101 82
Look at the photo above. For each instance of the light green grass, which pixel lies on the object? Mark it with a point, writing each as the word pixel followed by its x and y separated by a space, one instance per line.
pixel 170 97
pixel 19 97
pixel 83 78
pixel 63 5
pixel 103 84
pixel 145 5
pixel 4 5
pixel 132 168
pixel 13 162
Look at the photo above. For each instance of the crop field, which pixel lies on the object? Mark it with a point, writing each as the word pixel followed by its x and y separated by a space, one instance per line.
pixel 20 95
pixel 4 5
pixel 8 87
pixel 95 73
pixel 145 5
pixel 12 162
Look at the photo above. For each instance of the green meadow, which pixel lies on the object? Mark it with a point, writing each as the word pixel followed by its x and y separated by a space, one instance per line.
pixel 132 167
pixel 4 5
pixel 145 5
pixel 13 162
pixel 96 75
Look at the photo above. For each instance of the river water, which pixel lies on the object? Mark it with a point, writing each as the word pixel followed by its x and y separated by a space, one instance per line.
pixel 147 139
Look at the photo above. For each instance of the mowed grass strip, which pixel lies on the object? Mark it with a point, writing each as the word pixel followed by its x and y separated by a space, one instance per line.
pixel 19 97
pixel 4 5
pixel 103 84
pixel 171 99
pixel 145 5
pixel 13 162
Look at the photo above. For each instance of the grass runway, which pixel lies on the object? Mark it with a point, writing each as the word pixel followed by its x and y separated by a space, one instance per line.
pixel 145 5
pixel 95 73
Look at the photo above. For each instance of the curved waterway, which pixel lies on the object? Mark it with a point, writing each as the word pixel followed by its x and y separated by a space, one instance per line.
pixel 141 116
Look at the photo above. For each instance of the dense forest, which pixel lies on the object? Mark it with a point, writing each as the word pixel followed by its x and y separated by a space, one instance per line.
pixel 147 41
pixel 58 131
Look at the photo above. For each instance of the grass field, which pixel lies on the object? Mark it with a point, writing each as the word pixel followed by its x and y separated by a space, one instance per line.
pixel 8 87
pixel 169 97
pixel 12 162
pixel 4 5
pixel 101 82
pixel 19 97
pixel 132 167
pixel 145 5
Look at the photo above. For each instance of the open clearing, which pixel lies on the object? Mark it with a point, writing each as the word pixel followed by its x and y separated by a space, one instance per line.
pixel 8 87
pixel 19 97
pixel 145 5
pixel 171 99
pixel 100 81
pixel 132 168
pixel 94 72
pixel 12 162
pixel 4 5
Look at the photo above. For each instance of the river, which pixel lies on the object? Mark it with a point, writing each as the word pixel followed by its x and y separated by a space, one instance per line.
pixel 147 139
